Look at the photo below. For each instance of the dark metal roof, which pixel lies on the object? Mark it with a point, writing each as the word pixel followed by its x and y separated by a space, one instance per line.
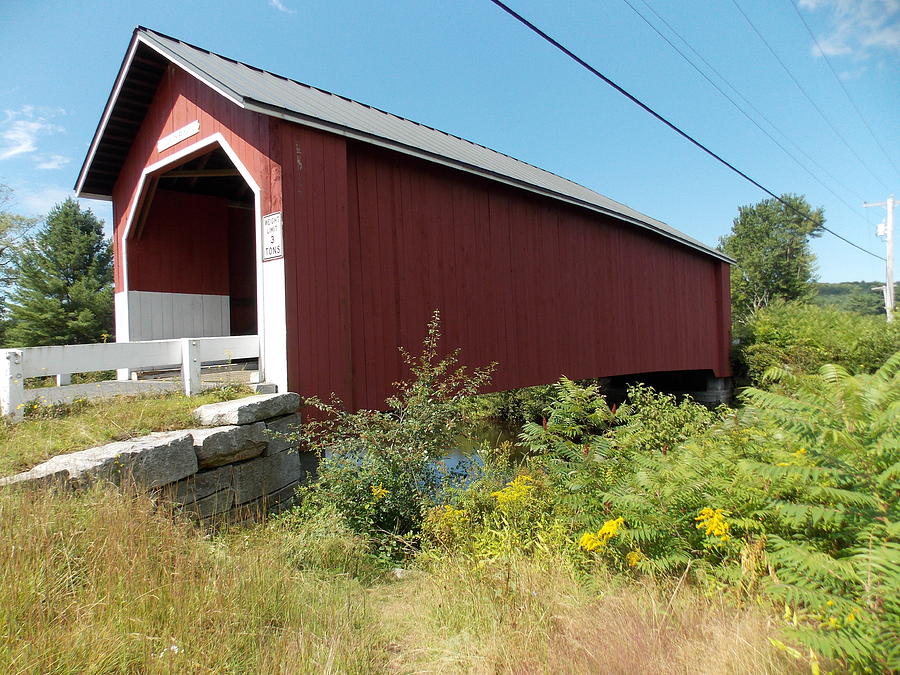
pixel 269 94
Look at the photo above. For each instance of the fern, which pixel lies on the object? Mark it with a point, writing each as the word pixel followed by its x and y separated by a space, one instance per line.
pixel 805 476
pixel 834 539
pixel 573 424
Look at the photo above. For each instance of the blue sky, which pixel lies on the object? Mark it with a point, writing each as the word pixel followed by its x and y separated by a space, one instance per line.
pixel 467 68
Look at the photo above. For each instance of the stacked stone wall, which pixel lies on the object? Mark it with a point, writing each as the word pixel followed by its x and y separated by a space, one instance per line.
pixel 239 464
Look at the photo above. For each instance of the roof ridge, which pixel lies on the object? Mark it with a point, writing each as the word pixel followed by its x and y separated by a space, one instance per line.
pixel 380 110
pixel 269 93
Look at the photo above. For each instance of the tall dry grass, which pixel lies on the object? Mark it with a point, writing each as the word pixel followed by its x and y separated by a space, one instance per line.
pixel 102 583
pixel 525 617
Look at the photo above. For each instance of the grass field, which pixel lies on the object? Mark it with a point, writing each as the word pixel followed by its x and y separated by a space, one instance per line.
pixel 54 430
pixel 99 582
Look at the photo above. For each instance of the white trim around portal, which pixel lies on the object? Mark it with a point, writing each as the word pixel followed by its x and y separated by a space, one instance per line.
pixel 157 167
pixel 270 290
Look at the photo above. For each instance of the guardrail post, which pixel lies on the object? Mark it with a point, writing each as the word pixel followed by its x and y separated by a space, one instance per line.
pixel 190 366
pixel 12 384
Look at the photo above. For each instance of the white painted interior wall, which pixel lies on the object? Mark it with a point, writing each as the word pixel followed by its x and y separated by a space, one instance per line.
pixel 160 316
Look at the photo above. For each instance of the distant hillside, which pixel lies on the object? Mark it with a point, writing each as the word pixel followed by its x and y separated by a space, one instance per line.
pixel 854 296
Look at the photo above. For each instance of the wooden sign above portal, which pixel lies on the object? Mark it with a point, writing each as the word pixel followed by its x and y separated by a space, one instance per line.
pixel 178 135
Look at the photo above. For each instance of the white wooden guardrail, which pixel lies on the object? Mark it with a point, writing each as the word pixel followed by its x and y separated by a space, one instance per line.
pixel 188 353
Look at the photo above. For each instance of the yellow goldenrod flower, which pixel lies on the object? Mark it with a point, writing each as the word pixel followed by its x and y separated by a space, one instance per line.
pixel 514 492
pixel 610 529
pixel 591 541
pixel 713 521
pixel 633 558
pixel 379 492
pixel 452 516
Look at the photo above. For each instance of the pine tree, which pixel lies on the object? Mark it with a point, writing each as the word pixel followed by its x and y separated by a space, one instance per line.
pixel 63 292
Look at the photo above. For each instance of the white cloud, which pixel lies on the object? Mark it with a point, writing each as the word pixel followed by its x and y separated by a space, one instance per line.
pixel 37 201
pixel 281 7
pixel 52 161
pixel 19 137
pixel 858 27
pixel 20 130
pixel 852 74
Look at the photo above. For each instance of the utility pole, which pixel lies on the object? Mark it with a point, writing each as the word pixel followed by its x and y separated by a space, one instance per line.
pixel 888 234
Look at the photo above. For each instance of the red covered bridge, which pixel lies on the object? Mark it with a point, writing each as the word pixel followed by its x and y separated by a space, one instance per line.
pixel 248 203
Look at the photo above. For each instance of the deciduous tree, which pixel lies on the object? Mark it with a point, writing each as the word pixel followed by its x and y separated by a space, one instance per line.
pixel 770 242
pixel 13 227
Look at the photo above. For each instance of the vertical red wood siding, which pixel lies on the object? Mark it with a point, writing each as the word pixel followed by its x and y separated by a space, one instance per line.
pixel 317 272
pixel 542 288
pixel 374 241
pixel 183 247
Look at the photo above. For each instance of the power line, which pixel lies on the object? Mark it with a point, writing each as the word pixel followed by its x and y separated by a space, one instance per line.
pixel 735 103
pixel 844 88
pixel 525 22
pixel 806 94
pixel 749 103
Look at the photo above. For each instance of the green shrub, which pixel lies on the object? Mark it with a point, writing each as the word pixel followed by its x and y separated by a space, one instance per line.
pixel 652 421
pixel 634 497
pixel 575 420
pixel 500 519
pixel 511 409
pixel 803 337
pixel 791 500
pixel 564 501
pixel 382 470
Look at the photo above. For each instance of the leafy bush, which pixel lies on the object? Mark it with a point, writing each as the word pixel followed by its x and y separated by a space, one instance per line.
pixel 562 503
pixel 382 470
pixel 652 421
pixel 513 408
pixel 638 491
pixel 802 337
pixel 791 500
pixel 497 519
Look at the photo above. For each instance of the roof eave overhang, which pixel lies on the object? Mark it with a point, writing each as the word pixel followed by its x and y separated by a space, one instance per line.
pixel 138 38
pixel 104 120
